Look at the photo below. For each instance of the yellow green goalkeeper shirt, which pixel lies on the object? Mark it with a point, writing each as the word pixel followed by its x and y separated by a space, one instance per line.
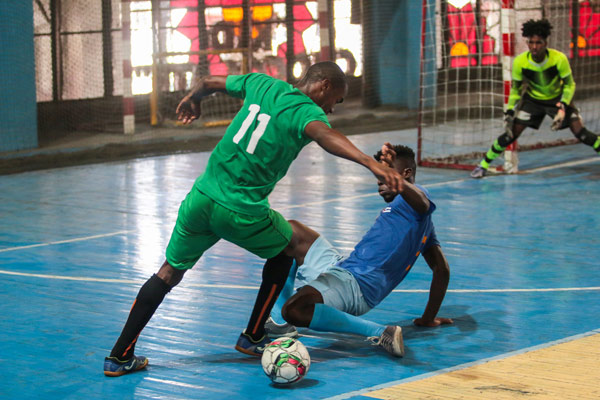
pixel 260 144
pixel 547 80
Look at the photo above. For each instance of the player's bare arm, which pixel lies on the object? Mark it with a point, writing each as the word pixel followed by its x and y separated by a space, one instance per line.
pixel 439 284
pixel 415 197
pixel 188 109
pixel 336 143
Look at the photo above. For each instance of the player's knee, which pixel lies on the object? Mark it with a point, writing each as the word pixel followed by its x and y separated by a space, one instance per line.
pixel 302 238
pixel 169 275
pixel 292 314
pixel 298 310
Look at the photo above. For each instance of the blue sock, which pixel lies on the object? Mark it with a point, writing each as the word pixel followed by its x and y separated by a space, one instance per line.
pixel 286 293
pixel 329 319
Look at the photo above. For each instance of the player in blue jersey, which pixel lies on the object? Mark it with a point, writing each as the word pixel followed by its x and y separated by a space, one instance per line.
pixel 380 261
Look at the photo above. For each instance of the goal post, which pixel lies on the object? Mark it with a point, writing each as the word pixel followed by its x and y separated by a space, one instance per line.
pixel 466 61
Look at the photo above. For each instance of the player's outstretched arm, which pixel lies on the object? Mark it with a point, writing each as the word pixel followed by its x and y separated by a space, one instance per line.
pixel 336 143
pixel 439 284
pixel 188 109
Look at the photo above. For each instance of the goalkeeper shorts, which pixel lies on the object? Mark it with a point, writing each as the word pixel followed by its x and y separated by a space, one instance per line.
pixel 533 111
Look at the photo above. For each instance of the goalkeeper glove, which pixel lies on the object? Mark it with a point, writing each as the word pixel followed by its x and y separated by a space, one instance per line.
pixel 559 117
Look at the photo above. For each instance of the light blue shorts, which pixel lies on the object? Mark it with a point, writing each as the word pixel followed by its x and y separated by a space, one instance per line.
pixel 319 258
pixel 338 287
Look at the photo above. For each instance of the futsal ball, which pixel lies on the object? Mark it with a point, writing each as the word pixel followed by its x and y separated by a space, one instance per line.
pixel 285 361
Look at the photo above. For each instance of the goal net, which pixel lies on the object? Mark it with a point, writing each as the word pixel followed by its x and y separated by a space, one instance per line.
pixel 465 73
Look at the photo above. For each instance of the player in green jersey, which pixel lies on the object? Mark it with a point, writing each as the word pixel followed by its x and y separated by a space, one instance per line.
pixel 230 200
pixel 545 76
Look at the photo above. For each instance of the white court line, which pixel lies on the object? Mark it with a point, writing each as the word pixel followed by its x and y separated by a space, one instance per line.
pixel 571 289
pixel 462 366
pixel 561 165
pixel 64 241
pixel 220 286
pixel 175 383
pixel 109 280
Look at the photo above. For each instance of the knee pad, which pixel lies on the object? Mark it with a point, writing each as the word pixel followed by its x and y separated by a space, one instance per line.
pixel 586 137
pixel 505 139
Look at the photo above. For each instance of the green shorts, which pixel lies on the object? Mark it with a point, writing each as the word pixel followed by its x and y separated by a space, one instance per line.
pixel 201 222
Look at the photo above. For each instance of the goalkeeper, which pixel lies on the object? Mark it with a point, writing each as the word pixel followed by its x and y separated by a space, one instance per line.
pixel 542 84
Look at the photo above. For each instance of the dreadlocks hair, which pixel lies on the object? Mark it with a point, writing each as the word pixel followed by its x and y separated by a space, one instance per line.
pixel 324 70
pixel 540 27
pixel 402 152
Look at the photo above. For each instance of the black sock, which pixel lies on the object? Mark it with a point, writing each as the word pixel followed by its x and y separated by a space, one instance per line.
pixel 275 273
pixel 147 301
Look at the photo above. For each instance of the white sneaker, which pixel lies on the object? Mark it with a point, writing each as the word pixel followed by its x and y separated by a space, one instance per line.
pixel 479 172
pixel 275 330
pixel 391 340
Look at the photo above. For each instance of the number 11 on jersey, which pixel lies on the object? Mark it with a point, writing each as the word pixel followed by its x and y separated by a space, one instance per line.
pixel 263 121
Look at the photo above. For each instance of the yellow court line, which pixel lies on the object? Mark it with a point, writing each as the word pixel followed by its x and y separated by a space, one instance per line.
pixel 568 370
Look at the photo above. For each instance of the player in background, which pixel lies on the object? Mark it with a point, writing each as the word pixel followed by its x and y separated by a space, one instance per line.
pixel 348 288
pixel 230 199
pixel 549 91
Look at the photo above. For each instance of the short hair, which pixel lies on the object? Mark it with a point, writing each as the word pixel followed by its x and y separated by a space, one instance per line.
pixel 324 70
pixel 540 27
pixel 402 152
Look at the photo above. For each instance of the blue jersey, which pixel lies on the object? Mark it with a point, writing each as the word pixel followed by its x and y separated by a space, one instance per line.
pixel 386 253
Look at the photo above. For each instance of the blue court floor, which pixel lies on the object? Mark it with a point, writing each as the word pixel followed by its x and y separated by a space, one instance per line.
pixel 77 243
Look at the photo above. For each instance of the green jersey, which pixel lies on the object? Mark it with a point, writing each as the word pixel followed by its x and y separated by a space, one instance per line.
pixel 260 144
pixel 547 80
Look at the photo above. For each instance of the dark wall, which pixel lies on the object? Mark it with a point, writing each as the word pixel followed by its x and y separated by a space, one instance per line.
pixel 18 127
pixel 392 43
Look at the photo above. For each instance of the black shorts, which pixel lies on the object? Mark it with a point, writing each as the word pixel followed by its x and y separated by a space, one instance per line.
pixel 533 111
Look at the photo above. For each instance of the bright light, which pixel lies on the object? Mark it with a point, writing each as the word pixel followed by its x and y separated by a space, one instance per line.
pixel 458 3
pixel 297 70
pixel 348 37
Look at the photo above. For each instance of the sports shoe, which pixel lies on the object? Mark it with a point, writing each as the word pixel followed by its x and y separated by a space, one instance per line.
pixel 275 330
pixel 391 340
pixel 246 345
pixel 478 172
pixel 115 367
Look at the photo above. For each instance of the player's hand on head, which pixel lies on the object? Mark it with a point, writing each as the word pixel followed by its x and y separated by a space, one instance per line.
pixel 388 155
pixel 432 323
pixel 187 110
